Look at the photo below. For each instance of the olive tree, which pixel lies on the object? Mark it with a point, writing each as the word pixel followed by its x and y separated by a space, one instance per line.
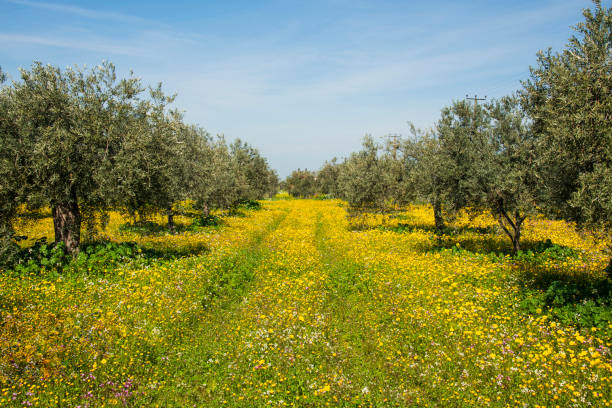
pixel 362 179
pixel 511 189
pixel 438 161
pixel 197 165
pixel 273 183
pixel 425 171
pixel 148 170
pixel 301 183
pixel 569 98
pixel 11 174
pixel 395 175
pixel 70 124
pixel 461 131
pixel 253 168
pixel 326 179
pixel 482 159
pixel 220 183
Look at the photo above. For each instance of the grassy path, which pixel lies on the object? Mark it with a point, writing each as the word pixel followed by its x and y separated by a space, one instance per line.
pixel 264 347
pixel 196 364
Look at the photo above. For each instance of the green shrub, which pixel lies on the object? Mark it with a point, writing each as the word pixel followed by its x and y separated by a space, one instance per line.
pixel 586 304
pixel 41 255
pixel 143 228
pixel 9 250
pixel 207 221
pixel 93 258
pixel 246 204
pixel 543 251
pixel 101 257
pixel 321 197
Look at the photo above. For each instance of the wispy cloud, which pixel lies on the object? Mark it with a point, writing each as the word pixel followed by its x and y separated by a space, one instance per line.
pixel 266 79
pixel 80 11
pixel 301 80
pixel 88 45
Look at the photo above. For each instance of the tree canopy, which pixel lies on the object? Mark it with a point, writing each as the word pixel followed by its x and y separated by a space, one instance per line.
pixel 568 96
pixel 82 141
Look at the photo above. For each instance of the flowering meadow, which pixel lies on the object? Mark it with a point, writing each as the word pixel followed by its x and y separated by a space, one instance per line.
pixel 297 305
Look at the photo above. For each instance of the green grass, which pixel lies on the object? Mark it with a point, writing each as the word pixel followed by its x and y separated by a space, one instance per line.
pixel 287 307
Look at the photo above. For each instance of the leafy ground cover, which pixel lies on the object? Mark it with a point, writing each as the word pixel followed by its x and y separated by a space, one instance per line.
pixel 289 306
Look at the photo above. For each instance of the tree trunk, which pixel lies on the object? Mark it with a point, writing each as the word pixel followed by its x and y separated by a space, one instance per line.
pixel 132 214
pixel 516 240
pixel 67 225
pixel 513 230
pixel 438 219
pixel 171 221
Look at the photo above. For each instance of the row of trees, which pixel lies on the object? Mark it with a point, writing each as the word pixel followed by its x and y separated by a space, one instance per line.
pixel 546 148
pixel 83 141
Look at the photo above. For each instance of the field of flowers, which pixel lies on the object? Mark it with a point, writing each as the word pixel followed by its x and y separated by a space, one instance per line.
pixel 296 305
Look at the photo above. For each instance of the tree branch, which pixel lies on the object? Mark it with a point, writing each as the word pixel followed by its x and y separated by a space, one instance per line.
pixel 508 219
pixel 501 223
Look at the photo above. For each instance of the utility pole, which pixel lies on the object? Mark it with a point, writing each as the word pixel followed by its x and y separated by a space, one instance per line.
pixel 394 142
pixel 476 99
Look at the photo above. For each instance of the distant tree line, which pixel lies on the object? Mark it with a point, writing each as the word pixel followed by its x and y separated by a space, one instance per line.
pixel 547 148
pixel 82 142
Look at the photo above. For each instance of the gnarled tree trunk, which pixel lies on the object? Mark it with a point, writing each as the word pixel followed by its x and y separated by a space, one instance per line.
pixel 171 220
pixel 67 225
pixel 438 219
pixel 513 228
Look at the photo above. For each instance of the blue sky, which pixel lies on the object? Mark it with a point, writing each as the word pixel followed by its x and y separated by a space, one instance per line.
pixel 303 81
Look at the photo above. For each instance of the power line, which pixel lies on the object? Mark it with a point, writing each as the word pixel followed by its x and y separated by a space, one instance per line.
pixel 476 99
pixel 394 142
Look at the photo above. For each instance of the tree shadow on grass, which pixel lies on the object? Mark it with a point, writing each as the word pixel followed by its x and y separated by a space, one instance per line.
pixel 451 231
pixel 574 296
pixel 163 252
pixel 131 253
pixel 357 224
pixel 494 246
pixel 96 257
pixel 151 228
pixel 34 215
pixel 550 277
